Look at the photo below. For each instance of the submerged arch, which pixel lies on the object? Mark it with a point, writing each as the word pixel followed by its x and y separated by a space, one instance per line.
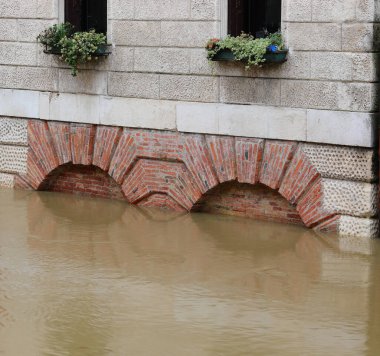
pixel 178 170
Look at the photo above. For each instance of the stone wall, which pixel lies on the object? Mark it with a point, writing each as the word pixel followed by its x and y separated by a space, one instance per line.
pixel 158 55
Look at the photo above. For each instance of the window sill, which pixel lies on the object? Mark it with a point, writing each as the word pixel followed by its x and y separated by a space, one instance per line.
pixel 270 57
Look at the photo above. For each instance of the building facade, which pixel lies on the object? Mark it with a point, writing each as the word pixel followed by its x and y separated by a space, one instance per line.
pixel 158 125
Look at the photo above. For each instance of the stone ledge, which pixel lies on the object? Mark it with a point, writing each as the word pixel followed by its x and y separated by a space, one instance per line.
pixel 268 122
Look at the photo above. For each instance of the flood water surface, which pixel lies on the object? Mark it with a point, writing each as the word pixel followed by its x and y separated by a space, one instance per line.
pixel 80 276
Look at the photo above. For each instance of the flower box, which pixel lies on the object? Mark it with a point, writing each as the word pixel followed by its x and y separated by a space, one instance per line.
pixel 279 56
pixel 102 51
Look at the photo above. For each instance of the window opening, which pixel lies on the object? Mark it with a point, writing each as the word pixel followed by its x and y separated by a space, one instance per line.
pixel 87 14
pixel 254 17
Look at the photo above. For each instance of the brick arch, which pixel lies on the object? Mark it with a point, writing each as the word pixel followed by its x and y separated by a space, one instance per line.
pixel 174 170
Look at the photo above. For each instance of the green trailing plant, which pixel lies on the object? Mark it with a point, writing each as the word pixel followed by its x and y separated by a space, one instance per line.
pixel 246 48
pixel 51 37
pixel 81 48
pixel 74 47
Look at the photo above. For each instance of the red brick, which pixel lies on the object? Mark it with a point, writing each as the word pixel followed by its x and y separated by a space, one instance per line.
pixel 196 158
pixel 277 155
pixel 106 141
pixel 60 133
pixel 249 154
pixel 310 206
pixel 330 226
pixel 152 176
pixel 246 200
pixel 162 201
pixel 41 144
pixel 82 143
pixel 125 154
pixel 299 177
pixel 83 180
pixel 222 152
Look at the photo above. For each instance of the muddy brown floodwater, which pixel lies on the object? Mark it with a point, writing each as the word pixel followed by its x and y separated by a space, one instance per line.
pixel 81 276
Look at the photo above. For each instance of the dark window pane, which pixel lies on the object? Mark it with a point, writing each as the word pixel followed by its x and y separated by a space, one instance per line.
pixel 97 15
pixel 73 13
pixel 87 14
pixel 253 16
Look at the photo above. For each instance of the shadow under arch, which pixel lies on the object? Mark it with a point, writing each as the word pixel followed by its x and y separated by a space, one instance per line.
pixel 248 200
pixel 86 180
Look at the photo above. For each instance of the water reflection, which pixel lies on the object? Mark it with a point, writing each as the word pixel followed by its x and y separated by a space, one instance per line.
pixel 91 277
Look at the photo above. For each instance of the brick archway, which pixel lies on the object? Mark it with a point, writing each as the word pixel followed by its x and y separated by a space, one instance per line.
pixel 174 170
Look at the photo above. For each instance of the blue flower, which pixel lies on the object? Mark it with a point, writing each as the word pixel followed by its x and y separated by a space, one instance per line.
pixel 272 48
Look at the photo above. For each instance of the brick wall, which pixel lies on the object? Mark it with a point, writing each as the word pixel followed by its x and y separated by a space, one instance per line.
pixel 257 202
pixel 284 181
pixel 82 180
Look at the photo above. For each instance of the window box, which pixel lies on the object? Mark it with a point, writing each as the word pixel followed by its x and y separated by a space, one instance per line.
pixel 279 56
pixel 103 50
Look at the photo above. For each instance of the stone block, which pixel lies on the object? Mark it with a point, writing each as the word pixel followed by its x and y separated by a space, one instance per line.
pixel 134 85
pixel 187 33
pixel 297 10
pixel 120 60
pixel 13 159
pixel 314 36
pixel 333 10
pixel 163 60
pixel 8 29
pixel 74 108
pixel 154 114
pixel 10 103
pixel 32 78
pixel 163 9
pixel 47 9
pixel 361 37
pixel 364 66
pixel 366 11
pixel 331 66
pixel 329 95
pixel 194 117
pixel 121 9
pixel 6 180
pixel 250 90
pixel 28 29
pixel 242 120
pixel 136 33
pixel 327 127
pixel 359 97
pixel 86 82
pixel 189 88
pixel 205 9
pixel 13 131
pixel 14 53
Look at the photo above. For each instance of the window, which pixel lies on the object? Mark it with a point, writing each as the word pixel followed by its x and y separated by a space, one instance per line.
pixel 253 16
pixel 87 14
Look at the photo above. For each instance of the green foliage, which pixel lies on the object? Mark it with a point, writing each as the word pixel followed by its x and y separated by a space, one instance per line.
pixel 52 35
pixel 75 48
pixel 80 48
pixel 245 47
